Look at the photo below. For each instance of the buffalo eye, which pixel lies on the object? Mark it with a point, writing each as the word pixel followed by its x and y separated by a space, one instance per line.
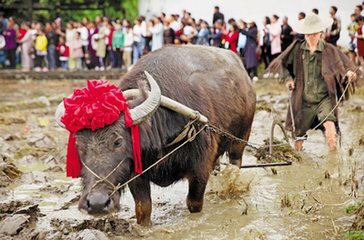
pixel 118 142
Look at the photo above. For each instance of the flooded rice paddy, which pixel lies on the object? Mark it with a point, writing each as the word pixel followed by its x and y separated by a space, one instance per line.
pixel 307 200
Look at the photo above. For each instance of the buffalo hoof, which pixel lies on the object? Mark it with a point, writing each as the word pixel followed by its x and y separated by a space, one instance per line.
pixel 143 212
pixel 236 162
pixel 194 206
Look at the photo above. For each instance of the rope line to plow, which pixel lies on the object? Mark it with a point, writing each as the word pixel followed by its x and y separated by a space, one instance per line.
pixel 208 126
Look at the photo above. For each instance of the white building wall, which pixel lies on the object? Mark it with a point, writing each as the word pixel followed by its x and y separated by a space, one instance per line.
pixel 252 9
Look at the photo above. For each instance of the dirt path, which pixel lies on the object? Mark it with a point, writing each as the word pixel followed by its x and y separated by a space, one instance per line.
pixel 307 200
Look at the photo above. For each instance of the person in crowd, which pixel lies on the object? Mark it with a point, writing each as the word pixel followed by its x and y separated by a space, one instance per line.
pixel 175 24
pixel 82 29
pixel 315 11
pixel 333 32
pixel 242 38
pixel 217 15
pixel 63 53
pixel 3 22
pixel 231 21
pixel 189 32
pixel 92 46
pixel 98 22
pixel 100 47
pixel 162 17
pixel 186 17
pixel 299 36
pixel 362 6
pixel 318 69
pixel 230 39
pixel 169 34
pixel 203 34
pixel 250 51
pixel 70 32
pixel 76 52
pixel 52 38
pixel 10 47
pixel 360 39
pixel 275 31
pixel 287 36
pixel 352 29
pixel 139 33
pixel 128 46
pixel 265 42
pixel 26 45
pixel 157 33
pixel 2 52
pixel 148 37
pixel 358 10
pixel 109 31
pixel 117 45
pixel 20 33
pixel 41 44
pixel 216 34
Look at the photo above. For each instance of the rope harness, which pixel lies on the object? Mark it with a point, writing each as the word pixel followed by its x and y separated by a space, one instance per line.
pixel 191 133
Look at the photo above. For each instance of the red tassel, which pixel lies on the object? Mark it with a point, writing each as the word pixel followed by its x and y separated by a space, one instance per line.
pixel 73 162
pixel 135 138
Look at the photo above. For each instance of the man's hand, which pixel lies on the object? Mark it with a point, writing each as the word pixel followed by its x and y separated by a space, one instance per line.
pixel 352 76
pixel 290 85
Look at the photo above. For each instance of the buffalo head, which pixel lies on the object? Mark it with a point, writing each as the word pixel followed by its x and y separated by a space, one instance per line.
pixel 106 155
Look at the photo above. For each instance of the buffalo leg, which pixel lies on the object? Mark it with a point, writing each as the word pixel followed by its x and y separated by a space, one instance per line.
pixel 140 189
pixel 196 191
pixel 237 149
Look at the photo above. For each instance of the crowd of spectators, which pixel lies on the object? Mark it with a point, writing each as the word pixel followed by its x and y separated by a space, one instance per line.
pixel 105 43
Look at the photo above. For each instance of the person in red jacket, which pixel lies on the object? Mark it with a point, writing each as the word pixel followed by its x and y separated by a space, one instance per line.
pixel 230 39
pixel 63 53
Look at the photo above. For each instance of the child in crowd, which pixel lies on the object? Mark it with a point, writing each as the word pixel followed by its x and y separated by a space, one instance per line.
pixel 63 53
pixel 128 45
pixel 41 44
pixel 76 52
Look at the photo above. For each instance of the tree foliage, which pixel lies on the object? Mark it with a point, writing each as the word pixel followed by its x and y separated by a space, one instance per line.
pixel 71 9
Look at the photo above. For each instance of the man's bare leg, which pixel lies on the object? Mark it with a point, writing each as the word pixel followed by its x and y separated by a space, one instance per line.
pixel 299 145
pixel 330 133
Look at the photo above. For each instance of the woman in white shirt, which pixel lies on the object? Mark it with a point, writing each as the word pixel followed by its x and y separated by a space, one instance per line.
pixel 157 34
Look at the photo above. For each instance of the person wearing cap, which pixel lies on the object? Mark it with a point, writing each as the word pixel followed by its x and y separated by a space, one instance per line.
pixel 316 73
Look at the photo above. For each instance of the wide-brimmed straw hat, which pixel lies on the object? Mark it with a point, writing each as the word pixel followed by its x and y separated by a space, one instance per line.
pixel 312 24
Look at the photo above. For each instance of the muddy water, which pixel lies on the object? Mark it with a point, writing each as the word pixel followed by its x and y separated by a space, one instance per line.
pixel 304 201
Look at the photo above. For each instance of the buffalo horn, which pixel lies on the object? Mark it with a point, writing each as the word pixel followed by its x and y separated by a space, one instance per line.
pixel 172 105
pixel 141 112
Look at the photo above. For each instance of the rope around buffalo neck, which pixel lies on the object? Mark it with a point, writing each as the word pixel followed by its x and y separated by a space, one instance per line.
pixel 119 186
pixel 190 139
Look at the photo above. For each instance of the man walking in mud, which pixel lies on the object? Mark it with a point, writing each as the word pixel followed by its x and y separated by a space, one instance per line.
pixel 316 73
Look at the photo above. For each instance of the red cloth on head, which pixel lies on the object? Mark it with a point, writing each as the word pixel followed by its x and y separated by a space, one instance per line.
pixel 95 107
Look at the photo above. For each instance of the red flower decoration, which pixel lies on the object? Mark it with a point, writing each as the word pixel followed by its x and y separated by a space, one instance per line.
pixel 93 107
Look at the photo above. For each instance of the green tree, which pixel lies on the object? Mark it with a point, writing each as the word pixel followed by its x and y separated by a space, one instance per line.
pixel 46 10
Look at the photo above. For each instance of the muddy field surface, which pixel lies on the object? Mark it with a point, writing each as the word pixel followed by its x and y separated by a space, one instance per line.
pixel 317 197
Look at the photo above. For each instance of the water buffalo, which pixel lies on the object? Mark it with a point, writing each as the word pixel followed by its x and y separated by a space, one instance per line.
pixel 209 80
